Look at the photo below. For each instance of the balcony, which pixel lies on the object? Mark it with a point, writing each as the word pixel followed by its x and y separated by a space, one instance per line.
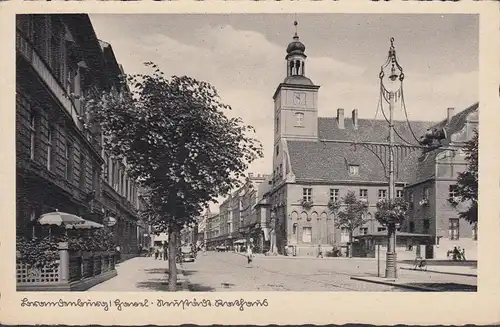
pixel 24 47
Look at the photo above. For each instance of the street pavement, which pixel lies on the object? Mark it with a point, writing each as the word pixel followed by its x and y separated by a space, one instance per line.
pixel 228 271
pixel 140 274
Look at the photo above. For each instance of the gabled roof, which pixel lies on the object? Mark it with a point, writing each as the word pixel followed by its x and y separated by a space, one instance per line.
pixel 457 121
pixel 328 162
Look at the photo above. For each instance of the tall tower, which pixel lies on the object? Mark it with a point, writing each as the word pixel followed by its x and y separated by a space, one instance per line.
pixel 295 103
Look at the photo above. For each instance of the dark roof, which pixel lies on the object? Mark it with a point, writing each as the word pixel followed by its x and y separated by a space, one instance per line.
pixel 457 121
pixel 298 80
pixel 328 162
pixel 426 163
pixel 370 130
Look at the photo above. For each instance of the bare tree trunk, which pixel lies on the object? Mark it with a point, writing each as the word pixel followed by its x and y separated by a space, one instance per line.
pixel 172 256
pixel 349 248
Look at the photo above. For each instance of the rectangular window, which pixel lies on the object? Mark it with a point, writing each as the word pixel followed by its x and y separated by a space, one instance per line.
pixel 69 161
pixel 83 170
pixel 32 136
pixel 344 235
pixel 381 229
pixel 412 227
pixel 334 194
pixel 399 194
pixel 452 191
pixel 307 234
pixel 299 119
pixel 363 194
pixel 307 194
pixel 363 231
pixel 425 193
pixel 454 229
pixel 382 194
pixel 50 152
pixel 427 225
pixel 353 170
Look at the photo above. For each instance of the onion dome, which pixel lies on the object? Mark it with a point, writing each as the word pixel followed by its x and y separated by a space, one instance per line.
pixel 296 47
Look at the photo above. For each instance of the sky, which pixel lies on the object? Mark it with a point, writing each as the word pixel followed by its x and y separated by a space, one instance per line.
pixel 243 56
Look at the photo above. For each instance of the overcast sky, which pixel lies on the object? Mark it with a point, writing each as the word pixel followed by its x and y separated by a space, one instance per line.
pixel 242 55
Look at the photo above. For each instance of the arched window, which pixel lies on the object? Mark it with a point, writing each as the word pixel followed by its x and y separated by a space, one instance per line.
pixel 314 215
pixel 295 215
pixel 324 216
pixel 303 215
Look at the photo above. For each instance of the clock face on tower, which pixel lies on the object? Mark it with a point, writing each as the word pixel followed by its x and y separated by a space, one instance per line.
pixel 299 98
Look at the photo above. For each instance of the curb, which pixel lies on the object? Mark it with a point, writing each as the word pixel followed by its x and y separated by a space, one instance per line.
pixel 382 282
pixel 441 272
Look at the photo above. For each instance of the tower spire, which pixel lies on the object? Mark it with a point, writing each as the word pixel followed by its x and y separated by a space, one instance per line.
pixel 296 23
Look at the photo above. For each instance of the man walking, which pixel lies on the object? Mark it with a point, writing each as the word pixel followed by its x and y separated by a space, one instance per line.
pixel 249 253
pixel 320 251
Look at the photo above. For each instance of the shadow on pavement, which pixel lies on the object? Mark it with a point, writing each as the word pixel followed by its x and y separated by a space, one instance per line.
pixel 156 271
pixel 161 286
pixel 200 288
pixel 447 287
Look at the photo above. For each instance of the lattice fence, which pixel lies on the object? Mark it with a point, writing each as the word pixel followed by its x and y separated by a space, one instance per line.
pixel 28 274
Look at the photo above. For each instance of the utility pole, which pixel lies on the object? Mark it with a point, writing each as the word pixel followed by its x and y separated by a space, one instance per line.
pixel 392 92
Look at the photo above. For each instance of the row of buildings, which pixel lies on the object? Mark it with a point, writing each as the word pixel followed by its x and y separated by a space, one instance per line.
pixel 317 160
pixel 61 164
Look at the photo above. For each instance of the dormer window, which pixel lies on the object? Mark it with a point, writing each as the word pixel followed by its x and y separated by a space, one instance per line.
pixel 299 119
pixel 353 170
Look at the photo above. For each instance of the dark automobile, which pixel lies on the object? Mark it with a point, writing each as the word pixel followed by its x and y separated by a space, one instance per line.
pixel 187 254
pixel 221 248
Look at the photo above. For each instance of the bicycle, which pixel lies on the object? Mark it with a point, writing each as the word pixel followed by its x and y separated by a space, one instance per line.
pixel 420 264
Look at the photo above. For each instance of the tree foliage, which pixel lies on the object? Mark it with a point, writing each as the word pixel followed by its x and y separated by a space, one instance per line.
pixel 467 182
pixel 352 214
pixel 176 141
pixel 392 211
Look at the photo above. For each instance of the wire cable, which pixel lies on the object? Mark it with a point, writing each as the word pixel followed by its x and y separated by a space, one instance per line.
pixel 403 104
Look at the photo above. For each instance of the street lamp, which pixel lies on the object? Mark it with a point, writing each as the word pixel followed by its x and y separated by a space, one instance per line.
pixel 390 88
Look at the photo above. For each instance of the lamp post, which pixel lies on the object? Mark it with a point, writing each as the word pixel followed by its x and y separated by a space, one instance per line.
pixel 391 87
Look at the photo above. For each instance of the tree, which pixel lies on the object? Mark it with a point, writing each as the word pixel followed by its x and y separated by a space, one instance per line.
pixel 351 216
pixel 467 182
pixel 177 142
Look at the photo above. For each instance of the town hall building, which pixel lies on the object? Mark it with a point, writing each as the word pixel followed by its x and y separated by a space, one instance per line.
pixel 317 160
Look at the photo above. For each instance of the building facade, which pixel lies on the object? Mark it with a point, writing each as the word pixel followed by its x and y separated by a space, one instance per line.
pixel 434 184
pixel 61 165
pixel 318 160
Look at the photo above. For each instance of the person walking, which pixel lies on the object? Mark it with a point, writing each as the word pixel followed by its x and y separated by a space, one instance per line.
pixel 157 252
pixel 249 254
pixel 162 252
pixel 320 251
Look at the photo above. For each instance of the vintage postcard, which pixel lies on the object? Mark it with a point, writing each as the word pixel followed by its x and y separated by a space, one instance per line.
pixel 256 163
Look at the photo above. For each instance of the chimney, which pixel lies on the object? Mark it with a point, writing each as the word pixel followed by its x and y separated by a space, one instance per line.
pixel 355 118
pixel 450 114
pixel 340 118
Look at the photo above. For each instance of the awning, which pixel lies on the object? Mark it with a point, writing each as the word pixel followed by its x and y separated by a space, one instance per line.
pixel 60 218
pixel 381 237
pixel 242 241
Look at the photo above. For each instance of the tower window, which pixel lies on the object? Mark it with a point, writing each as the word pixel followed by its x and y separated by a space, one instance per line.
pixel 277 124
pixel 277 149
pixel 299 119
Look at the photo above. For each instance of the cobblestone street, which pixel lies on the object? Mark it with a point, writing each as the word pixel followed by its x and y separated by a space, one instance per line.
pixel 228 271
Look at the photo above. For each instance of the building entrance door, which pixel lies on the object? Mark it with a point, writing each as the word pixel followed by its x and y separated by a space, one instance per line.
pixel 429 252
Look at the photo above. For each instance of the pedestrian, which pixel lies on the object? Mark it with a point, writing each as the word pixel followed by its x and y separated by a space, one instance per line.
pixel 157 252
pixel 162 252
pixel 320 251
pixel 463 254
pixel 118 254
pixel 249 254
pixel 456 254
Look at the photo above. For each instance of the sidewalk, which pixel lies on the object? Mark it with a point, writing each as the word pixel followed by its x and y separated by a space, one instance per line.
pixel 425 281
pixel 141 274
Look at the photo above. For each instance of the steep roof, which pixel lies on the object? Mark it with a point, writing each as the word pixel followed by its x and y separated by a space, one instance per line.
pixel 328 162
pixel 457 121
pixel 370 130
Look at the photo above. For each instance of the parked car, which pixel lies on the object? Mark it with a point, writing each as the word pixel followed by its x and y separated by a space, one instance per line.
pixel 187 254
pixel 221 248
